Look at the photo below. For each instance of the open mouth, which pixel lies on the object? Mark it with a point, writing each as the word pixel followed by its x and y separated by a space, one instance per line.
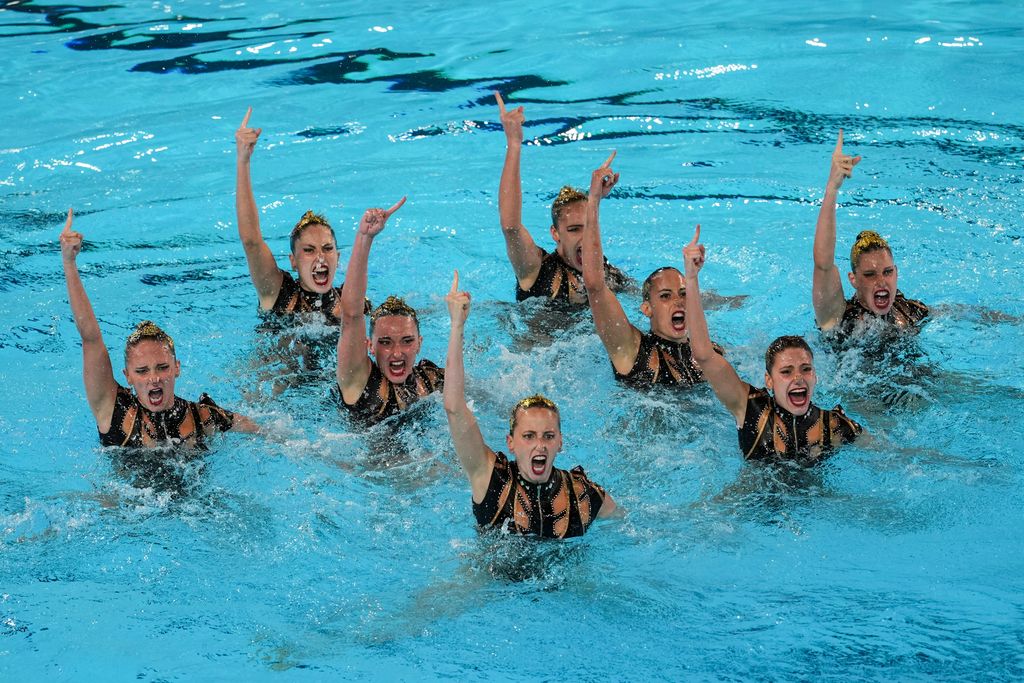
pixel 579 256
pixel 321 275
pixel 156 396
pixel 396 368
pixel 882 299
pixel 678 321
pixel 537 464
pixel 798 397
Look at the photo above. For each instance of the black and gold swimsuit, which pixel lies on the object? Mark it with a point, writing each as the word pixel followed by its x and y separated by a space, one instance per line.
pixel 184 424
pixel 564 506
pixel 905 314
pixel 382 398
pixel 663 362
pixel 558 281
pixel 294 299
pixel 771 433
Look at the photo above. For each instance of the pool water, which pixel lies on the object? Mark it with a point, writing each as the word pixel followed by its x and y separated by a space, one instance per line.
pixel 324 553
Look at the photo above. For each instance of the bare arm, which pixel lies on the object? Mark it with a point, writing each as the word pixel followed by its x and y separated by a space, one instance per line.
pixel 523 253
pixel 476 458
pixel 243 424
pixel 263 270
pixel 353 363
pixel 827 289
pixel 97 372
pixel 621 340
pixel 609 508
pixel 728 387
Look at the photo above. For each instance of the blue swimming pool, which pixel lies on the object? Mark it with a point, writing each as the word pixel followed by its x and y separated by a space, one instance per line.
pixel 324 554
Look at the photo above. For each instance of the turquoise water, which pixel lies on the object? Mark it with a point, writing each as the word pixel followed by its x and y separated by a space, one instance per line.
pixel 322 554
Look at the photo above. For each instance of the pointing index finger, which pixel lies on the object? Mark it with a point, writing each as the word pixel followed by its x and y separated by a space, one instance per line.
pixel 396 207
pixel 608 161
pixel 455 283
pixel 839 143
pixel 245 121
pixel 67 223
pixel 696 237
pixel 501 102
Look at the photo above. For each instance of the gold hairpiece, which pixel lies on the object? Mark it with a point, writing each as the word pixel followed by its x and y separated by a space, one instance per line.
pixel 147 329
pixel 309 218
pixel 535 401
pixel 567 195
pixel 393 305
pixel 867 240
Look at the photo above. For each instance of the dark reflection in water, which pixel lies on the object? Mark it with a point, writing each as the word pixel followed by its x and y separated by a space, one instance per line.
pixel 142 39
pixel 549 563
pixel 289 356
pixel 769 493
pixel 496 561
pixel 57 17
pixel 164 471
pixel 192 65
pixel 538 323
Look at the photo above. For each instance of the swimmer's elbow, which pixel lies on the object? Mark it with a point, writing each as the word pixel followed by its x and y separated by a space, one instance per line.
pixel 610 509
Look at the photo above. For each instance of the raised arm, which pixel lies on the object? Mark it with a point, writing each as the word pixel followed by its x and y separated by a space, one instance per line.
pixel 827 290
pixel 728 387
pixel 523 253
pixel 97 372
pixel 476 458
pixel 263 270
pixel 353 363
pixel 621 340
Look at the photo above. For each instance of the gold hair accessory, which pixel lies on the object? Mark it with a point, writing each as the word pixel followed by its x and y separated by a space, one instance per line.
pixel 393 305
pixel 567 195
pixel 867 240
pixel 535 401
pixel 147 329
pixel 310 218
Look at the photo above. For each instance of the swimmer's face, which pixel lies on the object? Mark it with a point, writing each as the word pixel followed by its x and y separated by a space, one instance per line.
pixel 792 380
pixel 395 344
pixel 315 258
pixel 874 281
pixel 568 233
pixel 666 305
pixel 535 441
pixel 151 369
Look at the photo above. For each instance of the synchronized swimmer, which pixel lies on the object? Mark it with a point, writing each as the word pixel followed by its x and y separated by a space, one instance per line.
pixel 378 374
pixel 373 389
pixel 152 416
pixel 660 357
pixel 314 249
pixel 556 276
pixel 873 272
pixel 527 495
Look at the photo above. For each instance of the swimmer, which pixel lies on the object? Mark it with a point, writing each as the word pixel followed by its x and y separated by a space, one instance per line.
pixel 527 495
pixel 314 250
pixel 660 357
pixel 779 422
pixel 872 273
pixel 556 276
pixel 153 416
pixel 374 389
